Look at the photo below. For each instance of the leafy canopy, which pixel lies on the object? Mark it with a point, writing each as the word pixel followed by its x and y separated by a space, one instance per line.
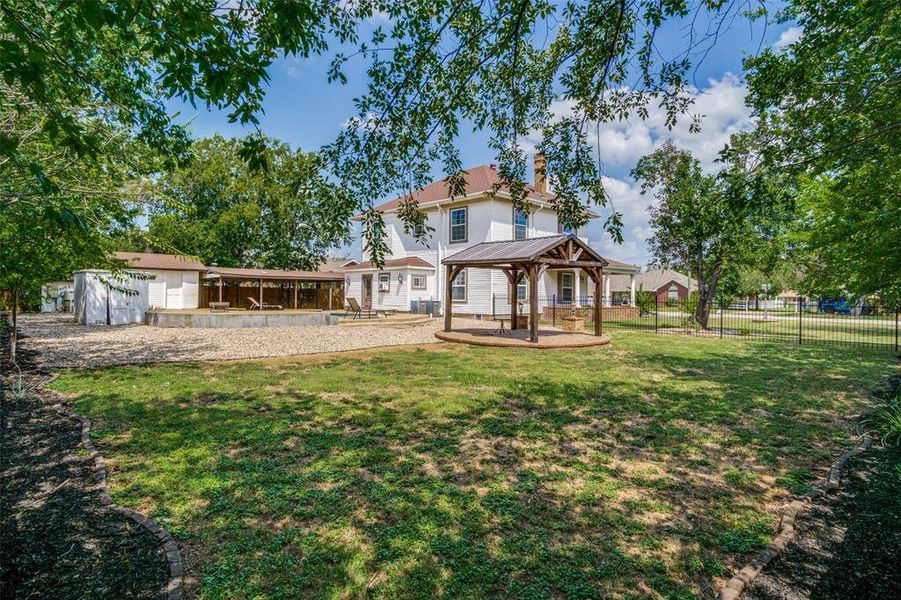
pixel 708 224
pixel 830 107
pixel 219 209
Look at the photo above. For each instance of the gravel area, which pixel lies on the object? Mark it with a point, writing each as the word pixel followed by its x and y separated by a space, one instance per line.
pixel 58 341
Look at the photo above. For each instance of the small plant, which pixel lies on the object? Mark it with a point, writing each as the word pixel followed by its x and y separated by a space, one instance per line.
pixel 20 390
pixel 885 422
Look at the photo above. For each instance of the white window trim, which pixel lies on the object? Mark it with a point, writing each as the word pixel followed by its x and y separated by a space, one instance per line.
pixel 451 225
pixel 525 226
pixel 384 279
pixel 571 287
pixel 465 287
pixel 413 279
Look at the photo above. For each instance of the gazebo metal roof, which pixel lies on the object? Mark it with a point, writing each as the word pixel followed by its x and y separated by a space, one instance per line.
pixel 530 258
pixel 573 252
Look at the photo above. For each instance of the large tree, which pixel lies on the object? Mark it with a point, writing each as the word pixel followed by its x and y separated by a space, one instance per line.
pixel 705 223
pixel 436 68
pixel 830 104
pixel 217 208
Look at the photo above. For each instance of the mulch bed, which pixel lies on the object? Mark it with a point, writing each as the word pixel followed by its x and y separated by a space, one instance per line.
pixel 849 543
pixel 57 539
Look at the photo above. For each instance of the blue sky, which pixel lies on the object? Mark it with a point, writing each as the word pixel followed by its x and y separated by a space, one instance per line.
pixel 303 109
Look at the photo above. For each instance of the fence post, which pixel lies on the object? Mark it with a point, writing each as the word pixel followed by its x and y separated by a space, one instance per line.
pixel 721 317
pixel 554 309
pixel 601 317
pixel 800 320
pixel 656 311
pixel 896 328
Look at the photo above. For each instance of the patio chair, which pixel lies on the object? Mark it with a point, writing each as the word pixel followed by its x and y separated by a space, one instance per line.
pixel 254 305
pixel 354 308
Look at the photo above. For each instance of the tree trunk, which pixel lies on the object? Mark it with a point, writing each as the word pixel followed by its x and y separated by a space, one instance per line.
pixel 706 295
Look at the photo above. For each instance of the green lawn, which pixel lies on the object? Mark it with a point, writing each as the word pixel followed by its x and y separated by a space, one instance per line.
pixel 645 468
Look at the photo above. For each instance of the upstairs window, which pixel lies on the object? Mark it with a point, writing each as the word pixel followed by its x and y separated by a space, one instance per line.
pixel 458 231
pixel 520 225
pixel 458 287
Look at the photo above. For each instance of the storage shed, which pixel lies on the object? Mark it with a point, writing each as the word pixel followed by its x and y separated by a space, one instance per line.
pixel 154 281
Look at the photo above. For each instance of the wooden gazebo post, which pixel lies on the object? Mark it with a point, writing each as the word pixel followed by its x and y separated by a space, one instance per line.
pixel 261 293
pixel 533 275
pixel 452 273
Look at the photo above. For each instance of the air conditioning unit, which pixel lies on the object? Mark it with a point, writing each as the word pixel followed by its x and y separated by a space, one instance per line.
pixel 384 286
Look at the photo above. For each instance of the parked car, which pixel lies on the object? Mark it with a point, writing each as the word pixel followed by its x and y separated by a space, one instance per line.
pixel 835 306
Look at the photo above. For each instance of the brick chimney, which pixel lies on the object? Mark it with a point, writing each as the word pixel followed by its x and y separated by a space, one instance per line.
pixel 540 173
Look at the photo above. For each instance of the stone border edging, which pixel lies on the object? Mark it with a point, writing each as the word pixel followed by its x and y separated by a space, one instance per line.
pixel 786 532
pixel 174 588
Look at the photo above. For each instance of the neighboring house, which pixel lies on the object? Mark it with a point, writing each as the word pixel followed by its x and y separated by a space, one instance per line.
pixel 484 213
pixel 164 281
pixel 336 264
pixel 666 284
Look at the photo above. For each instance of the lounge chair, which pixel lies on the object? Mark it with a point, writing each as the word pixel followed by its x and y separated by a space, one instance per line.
pixel 354 308
pixel 254 305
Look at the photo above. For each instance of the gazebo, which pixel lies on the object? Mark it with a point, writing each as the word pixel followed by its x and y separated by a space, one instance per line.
pixel 530 258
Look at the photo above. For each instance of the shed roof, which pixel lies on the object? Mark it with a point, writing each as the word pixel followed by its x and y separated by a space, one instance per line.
pixel 521 251
pixel 162 262
pixel 272 274
pixel 409 261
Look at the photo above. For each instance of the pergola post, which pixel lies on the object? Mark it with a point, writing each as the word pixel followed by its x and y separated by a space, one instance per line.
pixel 598 300
pixel 295 295
pixel 514 299
pixel 261 293
pixel 533 303
pixel 220 288
pixel 452 273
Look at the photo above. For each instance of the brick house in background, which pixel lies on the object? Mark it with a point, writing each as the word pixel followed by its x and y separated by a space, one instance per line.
pixel 666 284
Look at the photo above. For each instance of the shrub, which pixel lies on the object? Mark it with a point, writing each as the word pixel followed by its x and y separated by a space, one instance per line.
pixel 885 422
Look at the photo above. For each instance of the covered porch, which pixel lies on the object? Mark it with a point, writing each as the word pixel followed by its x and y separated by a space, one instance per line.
pixel 290 290
pixel 529 258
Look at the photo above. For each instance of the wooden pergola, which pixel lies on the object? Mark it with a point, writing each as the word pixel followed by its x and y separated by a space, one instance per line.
pixel 259 276
pixel 529 258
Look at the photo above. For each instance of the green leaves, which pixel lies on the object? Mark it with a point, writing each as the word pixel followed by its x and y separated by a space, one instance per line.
pixel 831 104
pixel 250 202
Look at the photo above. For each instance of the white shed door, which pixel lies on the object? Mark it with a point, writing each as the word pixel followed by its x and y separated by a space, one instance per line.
pixel 156 292
pixel 174 291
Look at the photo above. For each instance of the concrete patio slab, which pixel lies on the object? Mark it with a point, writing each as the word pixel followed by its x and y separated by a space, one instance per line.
pixel 547 338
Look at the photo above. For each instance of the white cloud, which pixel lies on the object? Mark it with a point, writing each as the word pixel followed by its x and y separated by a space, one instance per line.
pixel 721 106
pixel 788 37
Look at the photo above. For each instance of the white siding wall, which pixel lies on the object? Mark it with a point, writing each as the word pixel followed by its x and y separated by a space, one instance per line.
pixel 489 219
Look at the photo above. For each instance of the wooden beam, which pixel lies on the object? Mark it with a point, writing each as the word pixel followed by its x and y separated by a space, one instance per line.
pixel 514 280
pixel 569 263
pixel 598 276
pixel 452 273
pixel 533 303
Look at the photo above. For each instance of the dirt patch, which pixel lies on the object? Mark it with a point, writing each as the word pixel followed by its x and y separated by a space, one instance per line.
pixel 848 544
pixel 58 540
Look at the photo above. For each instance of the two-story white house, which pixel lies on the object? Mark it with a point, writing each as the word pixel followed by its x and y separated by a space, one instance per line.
pixel 414 273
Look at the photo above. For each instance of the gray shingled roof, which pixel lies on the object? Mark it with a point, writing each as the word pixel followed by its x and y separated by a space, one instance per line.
pixel 650 280
pixel 512 251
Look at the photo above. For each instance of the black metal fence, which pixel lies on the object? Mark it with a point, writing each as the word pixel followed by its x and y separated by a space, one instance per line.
pixel 799 322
